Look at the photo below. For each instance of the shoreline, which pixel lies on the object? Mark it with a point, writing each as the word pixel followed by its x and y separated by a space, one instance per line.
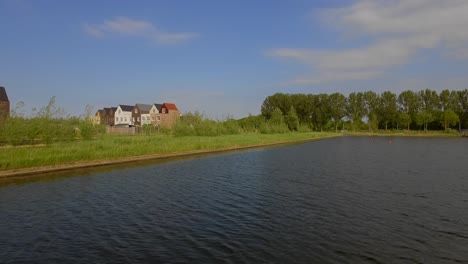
pixel 21 173
pixel 39 171
pixel 400 134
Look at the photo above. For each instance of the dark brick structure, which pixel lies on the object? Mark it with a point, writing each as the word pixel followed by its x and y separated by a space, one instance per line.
pixel 4 105
pixel 141 114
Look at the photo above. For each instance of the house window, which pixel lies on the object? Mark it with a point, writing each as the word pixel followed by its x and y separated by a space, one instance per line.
pixel 158 118
pixel 116 119
pixel 154 110
pixel 138 119
pixel 136 111
pixel 164 110
pixel 152 118
pixel 120 111
pixel 133 119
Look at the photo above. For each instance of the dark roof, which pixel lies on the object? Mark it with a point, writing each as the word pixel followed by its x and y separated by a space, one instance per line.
pixel 158 106
pixel 144 108
pixel 126 108
pixel 170 106
pixel 3 94
pixel 109 110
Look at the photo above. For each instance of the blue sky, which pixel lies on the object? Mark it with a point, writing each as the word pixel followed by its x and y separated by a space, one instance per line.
pixel 224 57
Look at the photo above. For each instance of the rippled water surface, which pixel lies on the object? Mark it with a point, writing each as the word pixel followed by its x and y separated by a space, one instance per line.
pixel 342 200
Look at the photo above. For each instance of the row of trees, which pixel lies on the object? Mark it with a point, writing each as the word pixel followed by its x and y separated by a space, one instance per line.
pixel 195 124
pixel 425 109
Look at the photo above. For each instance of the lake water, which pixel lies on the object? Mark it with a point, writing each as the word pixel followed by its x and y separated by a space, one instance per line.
pixel 341 200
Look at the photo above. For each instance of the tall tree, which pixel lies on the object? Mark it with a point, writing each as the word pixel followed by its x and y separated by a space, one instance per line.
pixel 303 107
pixel 355 108
pixel 450 118
pixel 463 103
pixel 278 100
pixel 371 102
pixel 423 118
pixel 388 108
pixel 404 119
pixel 430 104
pixel 276 117
pixel 292 120
pixel 409 103
pixel 337 106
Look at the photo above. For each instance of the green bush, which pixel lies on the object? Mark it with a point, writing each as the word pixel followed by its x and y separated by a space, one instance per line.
pixel 180 129
pixel 268 128
pixel 29 131
pixel 231 127
pixel 208 128
pixel 304 129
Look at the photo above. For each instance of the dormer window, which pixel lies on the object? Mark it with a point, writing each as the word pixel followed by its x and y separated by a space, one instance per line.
pixel 136 110
pixel 164 110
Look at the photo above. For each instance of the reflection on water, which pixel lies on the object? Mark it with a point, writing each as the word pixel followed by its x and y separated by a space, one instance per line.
pixel 342 200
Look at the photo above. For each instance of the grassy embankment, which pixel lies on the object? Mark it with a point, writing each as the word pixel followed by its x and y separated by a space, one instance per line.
pixel 107 147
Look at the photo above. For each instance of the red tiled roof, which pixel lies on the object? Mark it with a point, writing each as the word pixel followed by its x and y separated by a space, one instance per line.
pixel 170 106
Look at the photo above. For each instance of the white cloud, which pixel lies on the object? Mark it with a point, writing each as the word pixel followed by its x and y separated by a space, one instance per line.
pixel 129 27
pixel 398 30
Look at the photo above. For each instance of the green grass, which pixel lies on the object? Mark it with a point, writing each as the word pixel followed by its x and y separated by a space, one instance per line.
pixel 107 147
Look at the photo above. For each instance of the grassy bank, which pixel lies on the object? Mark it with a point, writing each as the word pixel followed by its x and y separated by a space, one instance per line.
pixel 405 133
pixel 106 147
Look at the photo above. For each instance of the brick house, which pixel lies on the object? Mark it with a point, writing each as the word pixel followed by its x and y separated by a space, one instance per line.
pixel 105 116
pixel 155 114
pixel 4 105
pixel 169 114
pixel 141 114
pixel 109 116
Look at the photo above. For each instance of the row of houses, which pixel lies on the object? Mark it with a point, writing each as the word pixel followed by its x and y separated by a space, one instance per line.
pixel 160 115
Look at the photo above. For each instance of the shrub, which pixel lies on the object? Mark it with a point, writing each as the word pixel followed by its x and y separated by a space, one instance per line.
pixel 268 128
pixel 180 129
pixel 208 128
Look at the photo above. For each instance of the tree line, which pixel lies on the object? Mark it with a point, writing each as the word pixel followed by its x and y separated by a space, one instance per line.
pixel 423 110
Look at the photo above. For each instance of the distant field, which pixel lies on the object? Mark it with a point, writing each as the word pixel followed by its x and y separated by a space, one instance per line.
pixel 107 147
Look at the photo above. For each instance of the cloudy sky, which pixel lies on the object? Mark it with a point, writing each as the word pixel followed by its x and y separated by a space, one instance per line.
pixel 224 57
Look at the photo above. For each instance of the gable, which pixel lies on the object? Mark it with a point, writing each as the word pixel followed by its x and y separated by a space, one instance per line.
pixel 143 108
pixel 126 108
pixel 154 109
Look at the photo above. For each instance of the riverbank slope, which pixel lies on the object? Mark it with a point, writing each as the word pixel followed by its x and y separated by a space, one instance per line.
pixel 109 150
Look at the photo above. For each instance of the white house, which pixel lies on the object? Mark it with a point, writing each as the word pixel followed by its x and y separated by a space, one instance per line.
pixel 123 115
